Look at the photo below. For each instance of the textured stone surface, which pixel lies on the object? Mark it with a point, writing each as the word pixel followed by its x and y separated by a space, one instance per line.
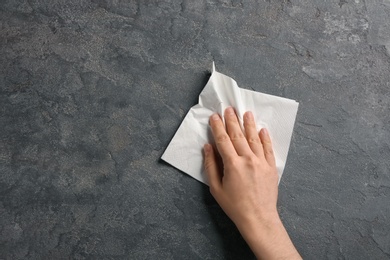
pixel 93 91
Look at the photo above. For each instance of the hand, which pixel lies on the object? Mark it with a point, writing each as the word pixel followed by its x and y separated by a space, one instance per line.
pixel 246 185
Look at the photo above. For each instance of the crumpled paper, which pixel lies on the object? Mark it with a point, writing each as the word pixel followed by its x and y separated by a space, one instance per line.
pixel 277 114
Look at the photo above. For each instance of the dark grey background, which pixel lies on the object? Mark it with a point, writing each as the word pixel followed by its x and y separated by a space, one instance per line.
pixel 93 91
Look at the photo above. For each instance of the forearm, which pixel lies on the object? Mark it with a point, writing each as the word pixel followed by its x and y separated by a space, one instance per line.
pixel 268 238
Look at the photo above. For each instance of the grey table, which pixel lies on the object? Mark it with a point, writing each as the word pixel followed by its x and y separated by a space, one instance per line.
pixel 93 91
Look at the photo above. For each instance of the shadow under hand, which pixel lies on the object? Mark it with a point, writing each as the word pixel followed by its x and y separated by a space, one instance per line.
pixel 226 233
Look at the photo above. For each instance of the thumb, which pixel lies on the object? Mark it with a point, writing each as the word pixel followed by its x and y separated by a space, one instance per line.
pixel 211 168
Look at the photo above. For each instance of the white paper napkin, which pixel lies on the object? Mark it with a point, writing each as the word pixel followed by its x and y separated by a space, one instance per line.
pixel 185 151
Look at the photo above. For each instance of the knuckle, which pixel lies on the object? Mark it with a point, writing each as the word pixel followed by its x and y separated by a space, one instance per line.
pixel 249 124
pixel 269 150
pixel 233 163
pixel 222 138
pixel 237 136
pixel 253 140
pixel 253 161
pixel 207 165
pixel 267 143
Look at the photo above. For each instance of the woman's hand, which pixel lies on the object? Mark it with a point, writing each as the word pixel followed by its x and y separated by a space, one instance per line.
pixel 246 184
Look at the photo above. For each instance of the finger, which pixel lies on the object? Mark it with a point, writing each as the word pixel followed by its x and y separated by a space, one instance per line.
pixel 252 135
pixel 235 133
pixel 222 140
pixel 267 146
pixel 213 173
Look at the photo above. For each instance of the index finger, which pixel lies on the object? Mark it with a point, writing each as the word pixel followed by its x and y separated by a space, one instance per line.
pixel 222 139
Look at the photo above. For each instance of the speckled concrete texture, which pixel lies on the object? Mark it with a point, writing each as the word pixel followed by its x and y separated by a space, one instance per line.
pixel 91 92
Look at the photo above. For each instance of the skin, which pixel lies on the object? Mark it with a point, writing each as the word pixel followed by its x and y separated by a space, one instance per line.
pixel 245 185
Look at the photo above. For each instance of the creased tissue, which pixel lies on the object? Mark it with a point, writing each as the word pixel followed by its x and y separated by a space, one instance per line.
pixel 277 114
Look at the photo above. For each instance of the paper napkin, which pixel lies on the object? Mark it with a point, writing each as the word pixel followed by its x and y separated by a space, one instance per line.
pixel 277 114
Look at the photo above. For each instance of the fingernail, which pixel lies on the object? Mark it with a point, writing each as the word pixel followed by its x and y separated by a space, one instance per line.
pixel 230 111
pixel 265 131
pixel 249 115
pixel 215 117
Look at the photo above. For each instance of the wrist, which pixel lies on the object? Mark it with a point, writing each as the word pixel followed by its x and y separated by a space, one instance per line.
pixel 267 237
pixel 263 220
pixel 260 225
